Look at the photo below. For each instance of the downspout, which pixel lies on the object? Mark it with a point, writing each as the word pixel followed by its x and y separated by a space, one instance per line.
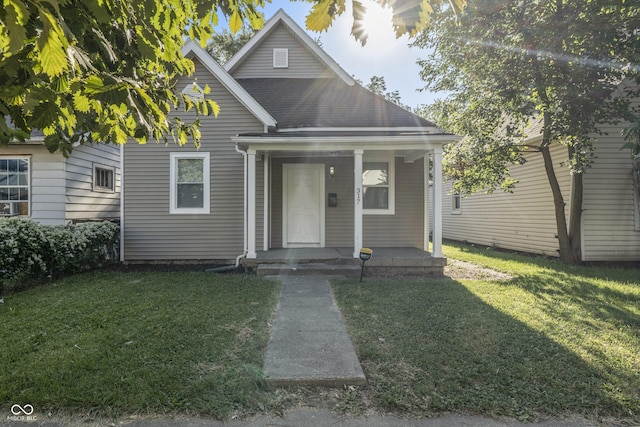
pixel 244 211
pixel 122 188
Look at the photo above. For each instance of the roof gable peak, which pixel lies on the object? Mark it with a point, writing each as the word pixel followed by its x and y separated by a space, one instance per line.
pixel 193 48
pixel 281 17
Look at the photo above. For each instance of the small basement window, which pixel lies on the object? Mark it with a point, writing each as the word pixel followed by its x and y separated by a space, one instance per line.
pixel 103 179
pixel 280 58
pixel 456 202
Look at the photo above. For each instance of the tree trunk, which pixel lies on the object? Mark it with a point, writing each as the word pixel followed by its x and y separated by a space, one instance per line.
pixel 564 242
pixel 575 216
pixel 636 179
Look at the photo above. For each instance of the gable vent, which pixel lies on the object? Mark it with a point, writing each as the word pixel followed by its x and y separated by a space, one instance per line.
pixel 280 58
pixel 193 91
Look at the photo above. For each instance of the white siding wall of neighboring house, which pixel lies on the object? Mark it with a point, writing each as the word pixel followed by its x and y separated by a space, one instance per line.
pixel 84 201
pixel 302 64
pixel 609 221
pixel 523 220
pixel 151 232
pixel 47 188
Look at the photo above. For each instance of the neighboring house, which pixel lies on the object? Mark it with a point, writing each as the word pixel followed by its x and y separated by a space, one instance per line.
pixel 300 156
pixel 55 190
pixel 524 220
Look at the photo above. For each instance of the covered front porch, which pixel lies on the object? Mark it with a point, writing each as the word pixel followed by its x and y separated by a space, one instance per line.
pixel 323 198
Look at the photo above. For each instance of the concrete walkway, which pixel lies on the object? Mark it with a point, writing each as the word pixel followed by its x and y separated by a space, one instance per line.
pixel 309 344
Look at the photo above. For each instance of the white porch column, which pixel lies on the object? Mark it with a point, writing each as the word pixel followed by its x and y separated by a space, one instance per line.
pixel 251 203
pixel 427 206
pixel 267 197
pixel 437 203
pixel 357 202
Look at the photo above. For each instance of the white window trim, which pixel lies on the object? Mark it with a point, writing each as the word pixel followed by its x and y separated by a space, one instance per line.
pixel 391 160
pixel 29 202
pixel 173 199
pixel 276 55
pixel 99 189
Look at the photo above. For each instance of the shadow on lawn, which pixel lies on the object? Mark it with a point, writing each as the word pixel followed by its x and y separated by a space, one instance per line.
pixel 433 346
pixel 599 301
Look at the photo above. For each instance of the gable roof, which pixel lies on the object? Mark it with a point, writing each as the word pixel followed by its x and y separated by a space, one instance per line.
pixel 329 103
pixel 193 48
pixel 300 34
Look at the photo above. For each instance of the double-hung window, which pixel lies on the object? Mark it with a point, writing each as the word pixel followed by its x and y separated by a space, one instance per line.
pixel 190 176
pixel 378 183
pixel 14 186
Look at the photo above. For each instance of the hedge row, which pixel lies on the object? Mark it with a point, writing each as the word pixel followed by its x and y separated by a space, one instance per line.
pixel 31 253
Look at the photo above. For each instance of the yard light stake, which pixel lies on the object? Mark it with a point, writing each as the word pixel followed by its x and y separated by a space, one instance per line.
pixel 365 255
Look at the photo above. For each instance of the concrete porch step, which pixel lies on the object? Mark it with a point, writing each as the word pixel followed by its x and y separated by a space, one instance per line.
pixel 308 269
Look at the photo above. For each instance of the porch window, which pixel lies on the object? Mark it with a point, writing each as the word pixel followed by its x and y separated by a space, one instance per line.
pixel 189 183
pixel 378 185
pixel 14 186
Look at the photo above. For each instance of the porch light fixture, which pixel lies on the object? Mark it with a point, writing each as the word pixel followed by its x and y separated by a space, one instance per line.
pixel 332 171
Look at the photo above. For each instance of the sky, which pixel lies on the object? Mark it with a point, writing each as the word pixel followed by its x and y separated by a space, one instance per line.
pixel 383 54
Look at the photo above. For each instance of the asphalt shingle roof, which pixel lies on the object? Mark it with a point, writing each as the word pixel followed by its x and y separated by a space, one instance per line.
pixel 327 103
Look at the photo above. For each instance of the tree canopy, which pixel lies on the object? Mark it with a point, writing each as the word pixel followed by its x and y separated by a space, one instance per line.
pixel 517 67
pixel 104 70
pixel 224 44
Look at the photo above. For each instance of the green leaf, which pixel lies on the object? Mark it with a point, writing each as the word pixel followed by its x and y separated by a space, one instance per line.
pixel 17 17
pixel 52 48
pixel 320 18
pixel 44 115
pixel 235 22
pixel 81 102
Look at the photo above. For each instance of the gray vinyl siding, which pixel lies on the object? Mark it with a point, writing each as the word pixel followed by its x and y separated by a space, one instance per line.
pixel 523 220
pixel 47 192
pixel 151 233
pixel 404 229
pixel 302 63
pixel 610 229
pixel 83 202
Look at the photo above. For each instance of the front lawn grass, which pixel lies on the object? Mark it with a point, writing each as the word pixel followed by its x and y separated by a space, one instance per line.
pixel 110 343
pixel 553 341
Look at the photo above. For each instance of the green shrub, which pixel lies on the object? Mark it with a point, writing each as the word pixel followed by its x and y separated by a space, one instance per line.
pixel 31 253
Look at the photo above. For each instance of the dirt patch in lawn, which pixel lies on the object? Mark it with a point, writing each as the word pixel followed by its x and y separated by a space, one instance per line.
pixel 456 269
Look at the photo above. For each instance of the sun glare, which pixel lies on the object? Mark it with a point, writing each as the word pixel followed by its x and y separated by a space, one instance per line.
pixel 378 24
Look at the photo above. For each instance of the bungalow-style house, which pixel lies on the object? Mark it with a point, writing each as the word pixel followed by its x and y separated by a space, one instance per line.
pixel 54 190
pixel 524 220
pixel 300 157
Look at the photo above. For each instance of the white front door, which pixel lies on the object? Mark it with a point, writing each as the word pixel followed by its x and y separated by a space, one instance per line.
pixel 303 205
